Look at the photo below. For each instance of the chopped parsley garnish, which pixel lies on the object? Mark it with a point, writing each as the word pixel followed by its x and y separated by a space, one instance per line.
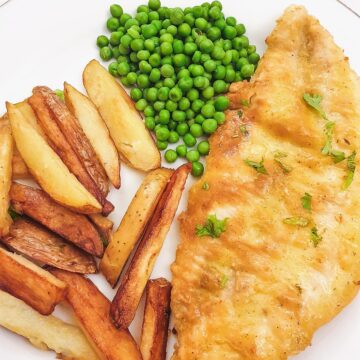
pixel 306 201
pixel 213 227
pixel 240 113
pixel 13 214
pixel 296 221
pixel 258 166
pixel 337 156
pixel 243 130
pixel 315 237
pixel 314 101
pixel 206 186
pixel 329 130
pixel 279 155
pixel 224 280
pixel 351 165
pixel 245 102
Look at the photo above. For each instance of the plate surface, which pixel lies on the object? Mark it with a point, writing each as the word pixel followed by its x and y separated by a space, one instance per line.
pixel 48 42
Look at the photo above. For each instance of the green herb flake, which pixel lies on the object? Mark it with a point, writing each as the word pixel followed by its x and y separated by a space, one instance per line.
pixel 243 130
pixel 206 186
pixel 351 165
pixel 245 102
pixel 306 201
pixel 258 166
pixel 223 281
pixel 314 101
pixel 315 237
pixel 296 221
pixel 213 227
pixel 13 214
pixel 60 94
pixel 329 131
pixel 240 113
pixel 104 240
pixel 280 155
pixel 337 156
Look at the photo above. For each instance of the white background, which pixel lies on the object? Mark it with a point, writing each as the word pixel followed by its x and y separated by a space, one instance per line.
pixel 48 42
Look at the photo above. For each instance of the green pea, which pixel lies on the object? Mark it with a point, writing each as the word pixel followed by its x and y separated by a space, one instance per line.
pixel 229 32
pixel 136 94
pixel 209 126
pixel 141 104
pixel 199 119
pixel 197 105
pixel 201 23
pixel 179 60
pixel 227 45
pixel 142 18
pixel 166 48
pixel 219 117
pixel 208 93
pixel 124 18
pixel 176 16
pixel 102 41
pixel 173 137
pixel 169 82
pixel 116 52
pixel 184 104
pixel 214 13
pixel 148 31
pixel 150 123
pixel 131 78
pixel 254 58
pixel 208 110
pixel 217 53
pixel 179 116
pixel 133 57
pixel 220 23
pixel 181 150
pixel 251 49
pixel 182 129
pixel 196 130
pixel 113 23
pixel 143 81
pixel 190 114
pixel 161 145
pixel 164 116
pixel 155 75
pixel 192 94
pixel 151 94
pixel 243 53
pixel 201 82
pixel 244 41
pixel 172 126
pixel 184 30
pixel 142 8
pixel 196 57
pixel 145 67
pixel 190 48
pixel 106 53
pixel 166 60
pixel 137 44
pixel 220 72
pixel 203 147
pixel 167 71
pixel 193 155
pixel 238 76
pixel 240 29
pixel 221 103
pixel 197 168
pixel 143 55
pixel 159 84
pixel 159 105
pixel 162 12
pixel 247 70
pixel 207 46
pixel 175 94
pixel 241 62
pixel 171 105
pixel 123 80
pixel 162 134
pixel 116 10
pixel 230 75
pixel 170 156
pixel 197 11
pixel 155 60
pixel 163 93
pixel 183 73
pixel 197 70
pixel 189 140
pixel 189 19
pixel 113 68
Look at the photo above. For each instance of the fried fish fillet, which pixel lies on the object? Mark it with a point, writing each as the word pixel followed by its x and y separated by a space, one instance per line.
pixel 287 259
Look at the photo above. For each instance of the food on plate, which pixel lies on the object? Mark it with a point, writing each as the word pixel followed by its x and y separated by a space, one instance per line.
pixel 44 332
pixel 60 144
pixel 46 166
pixel 73 227
pixel 125 125
pixel 37 243
pixel 19 168
pixel 178 67
pixel 156 320
pixel 91 309
pixel 103 225
pixel 6 153
pixel 30 283
pixel 269 243
pixel 95 130
pixel 133 224
pixel 132 285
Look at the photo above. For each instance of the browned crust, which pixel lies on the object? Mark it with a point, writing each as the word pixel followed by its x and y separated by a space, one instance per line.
pixel 156 320
pixel 39 289
pixel 103 225
pixel 72 226
pixel 91 308
pixel 39 244
pixel 128 296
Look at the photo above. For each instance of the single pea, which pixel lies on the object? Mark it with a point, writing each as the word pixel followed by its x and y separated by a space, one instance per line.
pixel 178 46
pixel 179 116
pixel 133 58
pixel 161 145
pixel 201 23
pixel 141 104
pixel 166 37
pixel 184 104
pixel 169 82
pixel 240 29
pixel 179 60
pixel 116 52
pixel 241 62
pixel 164 116
pixel 159 105
pixel 136 94
pixel 191 121
pixel 150 123
pixel 190 114
pixel 106 53
pixel 192 155
pixel 130 23
pixel 220 72
pixel 189 19
pixel 145 67
pixel 166 48
pixel 142 8
pixel 238 76
pixel 113 68
pixel 176 16
pixel 143 55
pixel 221 103
pixel 163 93
pixel 219 117
pixel 126 41
pixel 217 53
pixel 197 168
pixel 154 4
pixel 151 94
pixel 116 10
pixel 209 126
pixel 142 18
pixel 113 23
pixel 184 30
pixel 210 66
pixel 220 23
pixel 166 60
pixel 143 81
pixel 197 11
pixel 229 32
pixel 196 130
pixel 181 150
pixel 230 75
pixel 207 46
pixel 243 53
pixel 124 18
pixel 154 75
pixel 123 80
pixel 251 49
pixel 234 55
pixel 197 105
pixel 149 45
pixel 149 30
pixel 190 48
pixel 208 93
pixel 227 44
pixel 173 137
pixel 254 58
pixel 183 73
pixel 131 78
pixel 157 24
pixel 237 43
pixel 172 125
pixel 201 82
pixel 189 140
pixel 159 84
pixel 175 94
pixel 231 21
pixel 247 70
pixel 227 58
pixel 170 156
pixel 137 44
pixel 162 12
pixel 203 147
pixel 244 41
pixel 182 129
pixel 172 29
pixel 102 41
pixel 214 13
pixel 167 71
pixel 213 33
pixel 155 60
pixel 192 94
pixel 171 105
pixel 205 57
pixel 196 58
pixel 208 110
pixel 162 134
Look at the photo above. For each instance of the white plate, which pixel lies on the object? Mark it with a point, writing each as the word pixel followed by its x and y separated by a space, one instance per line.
pixel 48 42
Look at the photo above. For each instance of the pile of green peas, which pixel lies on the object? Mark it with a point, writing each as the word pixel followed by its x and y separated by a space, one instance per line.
pixel 178 64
